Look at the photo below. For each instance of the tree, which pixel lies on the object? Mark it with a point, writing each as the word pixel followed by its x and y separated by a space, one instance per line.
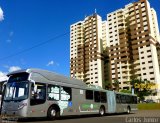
pixel 116 84
pixel 108 85
pixel 126 91
pixel 142 88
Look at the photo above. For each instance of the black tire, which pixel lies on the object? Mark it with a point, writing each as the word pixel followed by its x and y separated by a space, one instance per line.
pixel 102 111
pixel 53 113
pixel 128 110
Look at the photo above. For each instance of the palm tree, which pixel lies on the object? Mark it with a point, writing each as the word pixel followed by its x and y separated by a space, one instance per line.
pixel 116 84
pixel 108 85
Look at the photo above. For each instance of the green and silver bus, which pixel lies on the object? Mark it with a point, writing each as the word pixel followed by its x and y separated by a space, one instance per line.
pixel 40 93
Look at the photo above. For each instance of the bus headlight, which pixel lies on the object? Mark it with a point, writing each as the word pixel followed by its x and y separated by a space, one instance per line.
pixel 22 105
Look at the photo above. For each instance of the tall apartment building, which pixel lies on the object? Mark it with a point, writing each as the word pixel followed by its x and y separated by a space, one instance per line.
pixel 87 42
pixel 133 37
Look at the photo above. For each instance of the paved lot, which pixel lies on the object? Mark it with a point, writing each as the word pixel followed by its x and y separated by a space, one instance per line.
pixel 144 116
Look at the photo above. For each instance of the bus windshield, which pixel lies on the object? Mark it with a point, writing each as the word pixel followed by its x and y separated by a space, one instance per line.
pixel 16 91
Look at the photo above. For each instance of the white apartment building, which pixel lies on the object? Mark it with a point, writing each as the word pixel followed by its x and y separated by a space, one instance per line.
pixel 87 40
pixel 133 37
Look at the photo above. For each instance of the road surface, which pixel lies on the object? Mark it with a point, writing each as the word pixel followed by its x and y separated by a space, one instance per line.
pixel 142 116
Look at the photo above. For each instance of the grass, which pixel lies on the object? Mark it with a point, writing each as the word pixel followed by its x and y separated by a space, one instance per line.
pixel 149 106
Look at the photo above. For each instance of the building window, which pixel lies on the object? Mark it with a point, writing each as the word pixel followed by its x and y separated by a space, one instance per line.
pixel 148 50
pixel 150 67
pixel 143 62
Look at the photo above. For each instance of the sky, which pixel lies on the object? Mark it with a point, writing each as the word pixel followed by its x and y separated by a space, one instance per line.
pixel 35 33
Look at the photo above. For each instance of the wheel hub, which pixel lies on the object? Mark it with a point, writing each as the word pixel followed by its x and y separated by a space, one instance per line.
pixel 101 111
pixel 53 112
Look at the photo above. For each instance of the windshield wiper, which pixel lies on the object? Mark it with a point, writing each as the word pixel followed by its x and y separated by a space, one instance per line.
pixel 8 100
pixel 13 100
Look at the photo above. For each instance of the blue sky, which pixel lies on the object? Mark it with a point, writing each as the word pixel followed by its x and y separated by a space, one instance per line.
pixel 27 23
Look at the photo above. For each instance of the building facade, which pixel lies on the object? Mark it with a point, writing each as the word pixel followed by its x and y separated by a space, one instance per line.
pixel 124 47
pixel 133 38
pixel 87 43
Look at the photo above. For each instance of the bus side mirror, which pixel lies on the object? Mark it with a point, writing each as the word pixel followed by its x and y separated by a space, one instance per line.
pixel 4 86
pixel 34 85
pixel 34 93
pixel 35 88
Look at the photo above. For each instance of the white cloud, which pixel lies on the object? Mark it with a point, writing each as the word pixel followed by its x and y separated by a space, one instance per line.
pixel 50 63
pixel 1 14
pixel 14 68
pixel 3 76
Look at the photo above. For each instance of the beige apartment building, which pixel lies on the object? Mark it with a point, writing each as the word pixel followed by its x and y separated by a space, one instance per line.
pixel 125 46
pixel 133 40
pixel 87 42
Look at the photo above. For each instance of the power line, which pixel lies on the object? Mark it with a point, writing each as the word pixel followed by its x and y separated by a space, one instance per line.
pixel 35 46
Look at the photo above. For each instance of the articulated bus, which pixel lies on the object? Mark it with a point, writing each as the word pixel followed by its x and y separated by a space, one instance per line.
pixel 40 93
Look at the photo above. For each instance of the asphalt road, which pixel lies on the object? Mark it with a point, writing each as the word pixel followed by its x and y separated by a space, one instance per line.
pixel 144 116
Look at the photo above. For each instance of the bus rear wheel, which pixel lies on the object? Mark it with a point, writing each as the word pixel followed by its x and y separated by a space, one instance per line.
pixel 128 110
pixel 53 113
pixel 102 111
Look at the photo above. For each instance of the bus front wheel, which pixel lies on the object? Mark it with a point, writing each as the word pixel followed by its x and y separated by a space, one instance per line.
pixel 52 113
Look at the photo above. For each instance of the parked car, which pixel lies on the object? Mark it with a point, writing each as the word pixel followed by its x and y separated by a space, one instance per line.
pixel 150 101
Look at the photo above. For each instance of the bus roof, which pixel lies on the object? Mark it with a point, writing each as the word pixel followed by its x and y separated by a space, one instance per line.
pixel 51 76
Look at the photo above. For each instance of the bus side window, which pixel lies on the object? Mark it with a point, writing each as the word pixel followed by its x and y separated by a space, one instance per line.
pixel 53 92
pixel 132 99
pixel 135 100
pixel 89 94
pixel 66 94
pixel 118 100
pixel 127 99
pixel 123 99
pixel 38 97
pixel 97 96
pixel 103 97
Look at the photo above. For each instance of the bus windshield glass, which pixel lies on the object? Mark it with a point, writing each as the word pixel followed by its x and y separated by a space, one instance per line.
pixel 16 91
pixel 19 77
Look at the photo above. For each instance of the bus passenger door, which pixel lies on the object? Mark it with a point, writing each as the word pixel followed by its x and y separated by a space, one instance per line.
pixel 37 100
